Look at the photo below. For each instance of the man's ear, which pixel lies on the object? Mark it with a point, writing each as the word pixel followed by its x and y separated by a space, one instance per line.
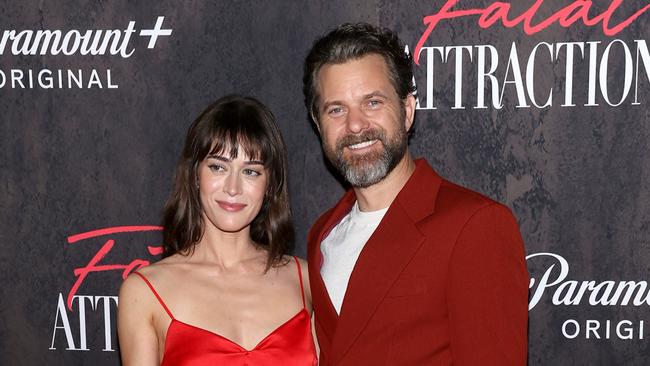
pixel 409 109
pixel 315 121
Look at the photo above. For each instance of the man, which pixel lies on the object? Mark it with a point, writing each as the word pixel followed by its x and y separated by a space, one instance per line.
pixel 407 268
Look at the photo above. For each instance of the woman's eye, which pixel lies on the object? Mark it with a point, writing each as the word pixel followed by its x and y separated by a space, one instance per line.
pixel 252 172
pixel 216 167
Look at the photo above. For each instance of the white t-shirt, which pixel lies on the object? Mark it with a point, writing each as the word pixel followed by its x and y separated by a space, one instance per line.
pixel 341 249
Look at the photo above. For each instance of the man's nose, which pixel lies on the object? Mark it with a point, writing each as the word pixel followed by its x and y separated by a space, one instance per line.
pixel 356 120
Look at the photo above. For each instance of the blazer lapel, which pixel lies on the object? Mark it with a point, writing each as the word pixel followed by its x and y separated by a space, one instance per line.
pixel 326 315
pixel 385 255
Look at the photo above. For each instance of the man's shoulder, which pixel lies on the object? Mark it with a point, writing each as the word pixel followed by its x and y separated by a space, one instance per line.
pixel 453 197
pixel 445 195
pixel 456 206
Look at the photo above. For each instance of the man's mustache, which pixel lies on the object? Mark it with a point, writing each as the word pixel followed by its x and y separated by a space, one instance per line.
pixel 352 139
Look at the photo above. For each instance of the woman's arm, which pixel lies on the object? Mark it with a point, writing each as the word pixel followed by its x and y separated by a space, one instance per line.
pixel 135 329
pixel 305 276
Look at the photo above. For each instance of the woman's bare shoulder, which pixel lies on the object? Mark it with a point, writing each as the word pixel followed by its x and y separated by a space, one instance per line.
pixel 135 293
pixel 290 265
pixel 304 275
pixel 303 265
pixel 156 274
pixel 135 320
pixel 165 267
pixel 289 259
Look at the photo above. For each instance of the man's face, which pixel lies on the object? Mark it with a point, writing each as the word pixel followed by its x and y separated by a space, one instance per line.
pixel 362 122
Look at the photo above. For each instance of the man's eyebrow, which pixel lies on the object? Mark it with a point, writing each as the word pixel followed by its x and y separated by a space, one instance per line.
pixel 375 94
pixel 330 103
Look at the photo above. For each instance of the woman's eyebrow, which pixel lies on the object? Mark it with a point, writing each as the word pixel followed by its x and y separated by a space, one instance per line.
pixel 254 162
pixel 228 160
pixel 219 157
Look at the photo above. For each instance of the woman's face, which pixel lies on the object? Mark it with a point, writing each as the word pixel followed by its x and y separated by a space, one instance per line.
pixel 231 190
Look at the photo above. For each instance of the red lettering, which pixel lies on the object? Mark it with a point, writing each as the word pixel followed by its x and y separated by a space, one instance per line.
pixel 432 21
pixel 573 12
pixel 110 230
pixel 493 13
pixel 498 11
pixel 94 266
pixel 607 15
pixel 154 250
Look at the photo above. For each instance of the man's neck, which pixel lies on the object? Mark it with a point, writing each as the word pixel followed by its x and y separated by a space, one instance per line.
pixel 381 195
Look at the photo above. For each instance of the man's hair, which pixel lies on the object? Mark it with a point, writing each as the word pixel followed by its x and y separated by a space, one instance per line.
pixel 353 41
pixel 226 125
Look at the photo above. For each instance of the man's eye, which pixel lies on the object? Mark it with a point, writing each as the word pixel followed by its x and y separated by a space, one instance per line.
pixel 335 111
pixel 374 103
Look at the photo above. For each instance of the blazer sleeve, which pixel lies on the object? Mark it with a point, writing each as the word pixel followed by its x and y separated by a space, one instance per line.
pixel 488 291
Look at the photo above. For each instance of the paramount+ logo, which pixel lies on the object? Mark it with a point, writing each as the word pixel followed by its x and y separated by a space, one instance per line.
pixel 73 43
pixel 554 286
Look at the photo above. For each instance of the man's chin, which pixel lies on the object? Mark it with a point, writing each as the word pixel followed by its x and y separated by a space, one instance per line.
pixel 362 168
pixel 361 161
pixel 365 179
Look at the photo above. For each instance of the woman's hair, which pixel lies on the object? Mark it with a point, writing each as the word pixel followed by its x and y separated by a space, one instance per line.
pixel 227 124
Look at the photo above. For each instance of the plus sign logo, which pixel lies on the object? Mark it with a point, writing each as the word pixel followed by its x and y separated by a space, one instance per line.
pixel 156 32
pixel 72 42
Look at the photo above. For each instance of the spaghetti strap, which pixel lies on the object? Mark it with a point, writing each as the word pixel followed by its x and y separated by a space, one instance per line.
pixel 302 288
pixel 156 294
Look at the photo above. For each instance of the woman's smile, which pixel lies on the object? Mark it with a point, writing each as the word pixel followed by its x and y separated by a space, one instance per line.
pixel 231 206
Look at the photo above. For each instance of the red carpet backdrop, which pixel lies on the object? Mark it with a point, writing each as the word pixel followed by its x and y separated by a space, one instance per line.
pixel 542 105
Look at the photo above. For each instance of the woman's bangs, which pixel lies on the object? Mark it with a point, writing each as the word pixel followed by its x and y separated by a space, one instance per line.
pixel 227 141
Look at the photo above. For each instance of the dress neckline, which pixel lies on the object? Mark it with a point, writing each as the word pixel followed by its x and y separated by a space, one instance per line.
pixel 238 347
pixel 230 341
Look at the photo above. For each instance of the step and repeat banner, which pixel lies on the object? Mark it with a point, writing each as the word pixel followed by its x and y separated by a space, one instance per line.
pixel 542 105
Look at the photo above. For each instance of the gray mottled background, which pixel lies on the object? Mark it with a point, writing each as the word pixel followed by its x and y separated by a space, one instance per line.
pixel 75 160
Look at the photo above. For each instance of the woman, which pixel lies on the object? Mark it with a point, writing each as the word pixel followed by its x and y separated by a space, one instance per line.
pixel 225 293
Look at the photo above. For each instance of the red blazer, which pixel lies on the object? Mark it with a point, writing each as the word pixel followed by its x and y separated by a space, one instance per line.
pixel 442 281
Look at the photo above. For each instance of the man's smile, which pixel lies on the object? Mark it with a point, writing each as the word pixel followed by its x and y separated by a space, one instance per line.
pixel 362 145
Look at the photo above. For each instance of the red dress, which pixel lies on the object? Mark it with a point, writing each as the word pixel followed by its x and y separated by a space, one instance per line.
pixel 290 344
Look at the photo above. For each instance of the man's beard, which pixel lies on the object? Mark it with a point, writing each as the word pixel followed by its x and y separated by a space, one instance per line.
pixel 365 170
